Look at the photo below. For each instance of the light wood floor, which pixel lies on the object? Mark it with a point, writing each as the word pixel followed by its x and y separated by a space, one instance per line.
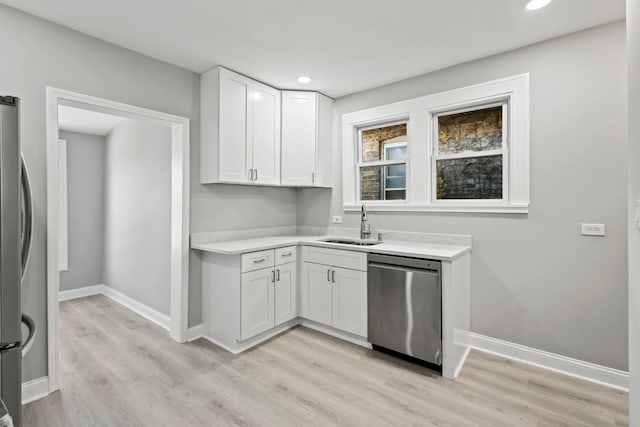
pixel 117 369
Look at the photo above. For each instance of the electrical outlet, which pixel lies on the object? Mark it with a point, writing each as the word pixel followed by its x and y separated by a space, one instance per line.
pixel 336 219
pixel 593 229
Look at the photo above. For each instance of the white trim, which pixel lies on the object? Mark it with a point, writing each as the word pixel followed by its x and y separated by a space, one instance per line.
pixel 35 389
pixel 456 371
pixel 180 195
pixel 587 371
pixel 63 219
pixel 195 332
pixel 86 291
pixel 420 147
pixel 499 207
pixel 143 310
pixel 328 330
pixel 252 342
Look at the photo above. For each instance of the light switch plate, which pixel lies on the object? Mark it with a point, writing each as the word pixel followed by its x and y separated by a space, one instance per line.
pixel 592 229
pixel 336 219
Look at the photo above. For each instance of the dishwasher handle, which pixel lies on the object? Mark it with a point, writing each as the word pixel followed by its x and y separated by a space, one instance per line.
pixel 403 268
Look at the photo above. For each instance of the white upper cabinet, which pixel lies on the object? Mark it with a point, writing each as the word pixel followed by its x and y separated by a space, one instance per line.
pixel 306 139
pixel 240 141
pixel 265 134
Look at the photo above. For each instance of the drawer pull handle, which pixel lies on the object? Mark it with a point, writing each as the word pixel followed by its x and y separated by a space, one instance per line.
pixel 287 254
pixel 258 261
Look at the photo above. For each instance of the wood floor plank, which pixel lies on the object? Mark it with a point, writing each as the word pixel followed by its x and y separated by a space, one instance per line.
pixel 118 369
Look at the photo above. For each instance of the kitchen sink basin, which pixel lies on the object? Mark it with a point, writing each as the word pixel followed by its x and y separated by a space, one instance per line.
pixel 352 242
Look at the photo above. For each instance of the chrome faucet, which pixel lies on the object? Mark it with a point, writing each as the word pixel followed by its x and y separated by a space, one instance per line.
pixel 365 227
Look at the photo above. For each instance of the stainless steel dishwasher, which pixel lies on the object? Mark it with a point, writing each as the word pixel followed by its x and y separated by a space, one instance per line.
pixel 405 307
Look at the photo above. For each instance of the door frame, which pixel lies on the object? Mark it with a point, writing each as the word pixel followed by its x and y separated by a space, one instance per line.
pixel 180 196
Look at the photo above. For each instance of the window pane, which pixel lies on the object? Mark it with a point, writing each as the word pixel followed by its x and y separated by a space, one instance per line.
pixel 478 130
pixel 395 182
pixel 377 184
pixel 398 152
pixel 473 178
pixel 395 195
pixel 396 170
pixel 374 141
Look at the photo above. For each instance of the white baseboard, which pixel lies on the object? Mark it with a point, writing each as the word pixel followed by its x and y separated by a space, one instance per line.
pixel 35 389
pixel 554 362
pixel 143 310
pixel 194 332
pixel 328 330
pixel 80 292
pixel 458 368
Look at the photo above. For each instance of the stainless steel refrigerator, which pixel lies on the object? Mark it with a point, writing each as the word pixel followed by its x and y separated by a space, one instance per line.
pixel 15 238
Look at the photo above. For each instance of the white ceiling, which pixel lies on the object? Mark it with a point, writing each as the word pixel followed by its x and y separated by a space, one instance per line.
pixel 346 46
pixel 85 121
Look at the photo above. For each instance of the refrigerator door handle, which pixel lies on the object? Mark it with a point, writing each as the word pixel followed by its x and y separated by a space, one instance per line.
pixel 26 222
pixel 26 345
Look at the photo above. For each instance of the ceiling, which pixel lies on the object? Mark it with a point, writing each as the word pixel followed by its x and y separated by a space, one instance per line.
pixel 345 46
pixel 84 121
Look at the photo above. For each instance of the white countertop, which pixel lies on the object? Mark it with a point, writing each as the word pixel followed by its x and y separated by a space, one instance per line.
pixel 436 251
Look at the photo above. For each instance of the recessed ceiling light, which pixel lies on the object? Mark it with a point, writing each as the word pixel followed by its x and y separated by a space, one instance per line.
pixel 537 4
pixel 304 80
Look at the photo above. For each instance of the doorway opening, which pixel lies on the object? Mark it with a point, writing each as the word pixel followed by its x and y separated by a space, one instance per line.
pixel 122 213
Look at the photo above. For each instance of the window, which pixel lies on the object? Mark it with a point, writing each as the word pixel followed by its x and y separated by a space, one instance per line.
pixel 395 176
pixel 383 162
pixel 465 150
pixel 470 150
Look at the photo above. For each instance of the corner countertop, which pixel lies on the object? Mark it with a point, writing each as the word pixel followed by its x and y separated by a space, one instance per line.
pixel 438 251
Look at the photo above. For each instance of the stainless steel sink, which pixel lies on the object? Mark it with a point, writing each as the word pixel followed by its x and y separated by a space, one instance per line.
pixel 352 242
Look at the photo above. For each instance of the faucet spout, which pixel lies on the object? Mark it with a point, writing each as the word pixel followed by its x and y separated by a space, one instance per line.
pixel 365 227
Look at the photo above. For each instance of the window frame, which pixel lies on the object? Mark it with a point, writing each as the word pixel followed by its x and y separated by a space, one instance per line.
pixel 503 151
pixel 419 115
pixel 381 163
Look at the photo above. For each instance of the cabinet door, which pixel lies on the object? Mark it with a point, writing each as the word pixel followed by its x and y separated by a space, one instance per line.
pixel 299 134
pixel 286 293
pixel 256 302
pixel 350 301
pixel 265 133
pixel 233 140
pixel 317 293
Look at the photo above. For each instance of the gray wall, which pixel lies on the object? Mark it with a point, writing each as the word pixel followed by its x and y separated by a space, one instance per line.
pixel 50 55
pixel 535 280
pixel 137 227
pixel 85 201
pixel 633 73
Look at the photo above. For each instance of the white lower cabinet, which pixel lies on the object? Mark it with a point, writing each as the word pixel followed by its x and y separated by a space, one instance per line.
pixel 350 301
pixel 286 293
pixel 333 295
pixel 257 302
pixel 249 297
pixel 317 293
pixel 268 296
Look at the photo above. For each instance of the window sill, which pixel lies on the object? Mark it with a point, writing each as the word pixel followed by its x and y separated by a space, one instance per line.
pixel 512 208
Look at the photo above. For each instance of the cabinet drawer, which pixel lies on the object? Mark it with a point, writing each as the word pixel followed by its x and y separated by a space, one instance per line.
pixel 335 257
pixel 285 255
pixel 257 260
